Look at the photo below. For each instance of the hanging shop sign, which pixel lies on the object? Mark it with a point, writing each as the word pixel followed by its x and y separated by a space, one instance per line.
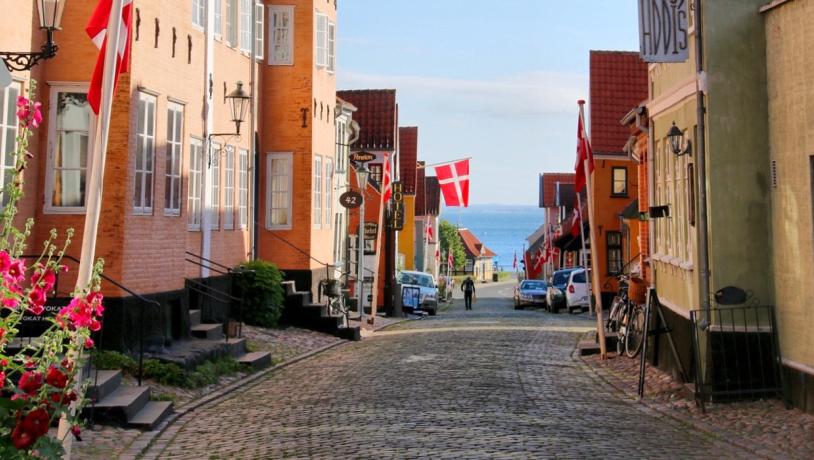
pixel 362 157
pixel 351 199
pixel 664 30
pixel 396 221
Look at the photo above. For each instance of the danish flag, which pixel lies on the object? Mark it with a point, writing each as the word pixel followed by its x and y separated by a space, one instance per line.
pixel 514 264
pixel 387 185
pixel 97 31
pixel 576 222
pixel 450 259
pixel 429 231
pixel 538 265
pixel 584 153
pixel 437 254
pixel 454 181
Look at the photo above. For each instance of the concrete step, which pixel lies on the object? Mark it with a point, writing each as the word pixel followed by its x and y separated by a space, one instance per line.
pixel 350 333
pixel 588 347
pixel 236 347
pixel 103 383
pixel 123 403
pixel 207 331
pixel 151 415
pixel 256 360
pixel 194 317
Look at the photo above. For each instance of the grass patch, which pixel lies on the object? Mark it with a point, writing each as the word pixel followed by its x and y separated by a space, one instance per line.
pixel 171 374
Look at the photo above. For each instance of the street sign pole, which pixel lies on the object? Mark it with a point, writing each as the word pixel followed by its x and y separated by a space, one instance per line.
pixel 360 263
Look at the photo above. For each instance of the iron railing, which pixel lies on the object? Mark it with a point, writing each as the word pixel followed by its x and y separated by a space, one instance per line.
pixel 736 354
pixel 217 295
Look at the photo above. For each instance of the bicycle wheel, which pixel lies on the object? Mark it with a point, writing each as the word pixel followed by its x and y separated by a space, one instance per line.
pixel 615 316
pixel 634 339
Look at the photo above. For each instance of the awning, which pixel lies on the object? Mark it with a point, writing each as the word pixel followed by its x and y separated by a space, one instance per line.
pixel 631 211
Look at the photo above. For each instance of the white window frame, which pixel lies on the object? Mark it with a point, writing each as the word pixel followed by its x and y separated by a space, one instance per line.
pixel 331 46
pixel 199 14
pixel 55 90
pixel 259 29
pixel 195 181
pixel 270 157
pixel 218 31
pixel 9 129
pixel 229 188
pixel 272 41
pixel 339 237
pixel 244 21
pixel 321 40
pixel 243 188
pixel 214 219
pixel 328 192
pixel 173 177
pixel 231 23
pixel 140 205
pixel 317 198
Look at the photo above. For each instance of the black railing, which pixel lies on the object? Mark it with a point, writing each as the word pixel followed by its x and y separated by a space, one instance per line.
pixel 736 354
pixel 217 295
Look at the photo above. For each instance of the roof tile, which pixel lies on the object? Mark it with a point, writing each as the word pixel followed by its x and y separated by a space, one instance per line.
pixel 377 116
pixel 408 157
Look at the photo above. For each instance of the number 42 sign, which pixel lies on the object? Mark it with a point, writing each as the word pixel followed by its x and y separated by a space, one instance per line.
pixel 351 199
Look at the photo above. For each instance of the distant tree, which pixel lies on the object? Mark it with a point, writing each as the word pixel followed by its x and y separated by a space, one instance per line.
pixel 450 238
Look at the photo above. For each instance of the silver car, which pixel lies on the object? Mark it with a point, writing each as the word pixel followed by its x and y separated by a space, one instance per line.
pixel 424 283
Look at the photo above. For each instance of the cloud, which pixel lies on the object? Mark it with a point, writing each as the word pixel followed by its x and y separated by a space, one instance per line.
pixel 523 95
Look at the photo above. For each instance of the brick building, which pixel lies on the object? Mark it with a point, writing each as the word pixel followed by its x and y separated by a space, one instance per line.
pixel 408 174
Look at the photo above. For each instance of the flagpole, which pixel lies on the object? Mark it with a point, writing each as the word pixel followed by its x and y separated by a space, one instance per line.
pixel 444 163
pixel 582 237
pixel 600 328
pixel 95 185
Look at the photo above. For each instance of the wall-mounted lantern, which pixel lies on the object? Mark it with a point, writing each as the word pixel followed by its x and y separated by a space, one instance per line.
pixel 50 15
pixel 677 143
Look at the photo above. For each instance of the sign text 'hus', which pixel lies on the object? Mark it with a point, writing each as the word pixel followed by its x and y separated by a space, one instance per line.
pixel 664 30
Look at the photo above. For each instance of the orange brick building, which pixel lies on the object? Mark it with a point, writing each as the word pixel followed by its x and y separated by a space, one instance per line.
pixel 618 81
pixel 172 184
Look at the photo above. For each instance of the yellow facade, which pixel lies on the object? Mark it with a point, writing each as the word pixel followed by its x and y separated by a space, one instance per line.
pixel 407 237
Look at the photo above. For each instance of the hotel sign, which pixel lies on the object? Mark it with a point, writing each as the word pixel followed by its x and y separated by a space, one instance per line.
pixel 362 157
pixel 664 30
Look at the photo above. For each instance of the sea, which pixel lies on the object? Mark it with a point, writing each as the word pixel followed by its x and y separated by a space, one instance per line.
pixel 502 228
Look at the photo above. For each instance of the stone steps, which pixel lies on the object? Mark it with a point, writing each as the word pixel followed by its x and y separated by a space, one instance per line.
pixel 256 359
pixel 207 331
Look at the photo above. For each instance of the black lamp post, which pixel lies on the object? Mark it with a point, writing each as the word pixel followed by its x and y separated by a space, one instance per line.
pixel 238 104
pixel 50 15
pixel 676 138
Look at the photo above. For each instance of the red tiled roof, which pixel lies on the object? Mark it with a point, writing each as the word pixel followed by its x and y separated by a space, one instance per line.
pixel 548 189
pixel 473 246
pixel 377 116
pixel 432 195
pixel 408 157
pixel 618 82
pixel 420 191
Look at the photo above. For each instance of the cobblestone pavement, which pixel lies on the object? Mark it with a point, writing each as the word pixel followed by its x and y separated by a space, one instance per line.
pixel 488 383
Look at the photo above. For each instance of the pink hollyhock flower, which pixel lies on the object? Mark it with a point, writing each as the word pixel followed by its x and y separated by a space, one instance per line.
pixel 5 262
pixel 29 114
pixel 76 432
pixel 30 382
pixel 89 343
pixel 21 439
pixel 2 379
pixel 36 309
pixel 56 378
pixel 36 422
pixel 45 278
pixel 16 271
pixel 37 299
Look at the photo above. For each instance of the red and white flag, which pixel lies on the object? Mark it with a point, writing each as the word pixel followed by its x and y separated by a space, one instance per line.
pixel 454 181
pixel 576 222
pixel 538 264
pixel 429 230
pixel 514 264
pixel 584 153
pixel 97 31
pixel 437 254
pixel 387 181
pixel 450 259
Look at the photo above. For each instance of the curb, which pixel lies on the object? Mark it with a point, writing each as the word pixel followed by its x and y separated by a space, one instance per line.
pixel 142 443
pixel 716 433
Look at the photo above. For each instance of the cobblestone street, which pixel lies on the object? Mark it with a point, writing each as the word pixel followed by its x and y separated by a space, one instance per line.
pixel 488 383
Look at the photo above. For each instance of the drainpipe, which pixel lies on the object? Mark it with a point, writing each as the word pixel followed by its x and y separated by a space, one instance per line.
pixel 651 197
pixel 252 161
pixel 703 234
pixel 206 186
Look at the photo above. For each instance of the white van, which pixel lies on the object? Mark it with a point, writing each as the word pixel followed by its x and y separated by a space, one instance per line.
pixel 576 291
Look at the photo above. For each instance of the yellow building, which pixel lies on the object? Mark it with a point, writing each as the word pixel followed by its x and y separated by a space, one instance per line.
pixel 408 156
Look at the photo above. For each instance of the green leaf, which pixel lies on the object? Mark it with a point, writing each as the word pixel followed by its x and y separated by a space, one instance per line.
pixel 48 447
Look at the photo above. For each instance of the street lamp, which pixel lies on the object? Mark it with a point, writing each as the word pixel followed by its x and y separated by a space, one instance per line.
pixel 50 15
pixel 362 174
pixel 676 138
pixel 238 104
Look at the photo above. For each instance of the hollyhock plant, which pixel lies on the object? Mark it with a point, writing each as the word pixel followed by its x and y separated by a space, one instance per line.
pixel 39 383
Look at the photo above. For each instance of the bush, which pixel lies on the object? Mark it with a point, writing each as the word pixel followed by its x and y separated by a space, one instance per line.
pixel 207 373
pixel 111 360
pixel 260 286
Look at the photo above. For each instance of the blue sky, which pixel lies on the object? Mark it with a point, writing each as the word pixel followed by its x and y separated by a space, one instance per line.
pixel 497 80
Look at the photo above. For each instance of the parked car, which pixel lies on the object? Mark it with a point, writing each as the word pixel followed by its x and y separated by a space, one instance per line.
pixel 555 294
pixel 577 296
pixel 427 291
pixel 530 292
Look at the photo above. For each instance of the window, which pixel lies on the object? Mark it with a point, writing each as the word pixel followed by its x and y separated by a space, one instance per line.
pixel 8 137
pixel 243 189
pixel 329 174
pixel 195 176
pixel 619 182
pixel 245 15
pixel 172 174
pixel 338 237
pixel 614 242
pixel 317 191
pixel 145 151
pixel 214 219
pixel 278 191
pixel 71 141
pixel 259 28
pixel 375 173
pixel 199 13
pixel 229 189
pixel 218 18
pixel 331 47
pixel 231 22
pixel 281 35
pixel 322 40
pixel 341 148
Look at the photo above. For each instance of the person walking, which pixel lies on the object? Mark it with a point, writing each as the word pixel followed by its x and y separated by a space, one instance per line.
pixel 468 286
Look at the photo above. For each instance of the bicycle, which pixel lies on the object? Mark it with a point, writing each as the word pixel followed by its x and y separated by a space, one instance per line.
pixel 332 290
pixel 626 318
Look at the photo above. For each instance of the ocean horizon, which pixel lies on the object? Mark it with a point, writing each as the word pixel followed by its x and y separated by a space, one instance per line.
pixel 503 228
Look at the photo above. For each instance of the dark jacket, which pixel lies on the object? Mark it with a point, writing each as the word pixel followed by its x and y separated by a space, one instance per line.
pixel 468 285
